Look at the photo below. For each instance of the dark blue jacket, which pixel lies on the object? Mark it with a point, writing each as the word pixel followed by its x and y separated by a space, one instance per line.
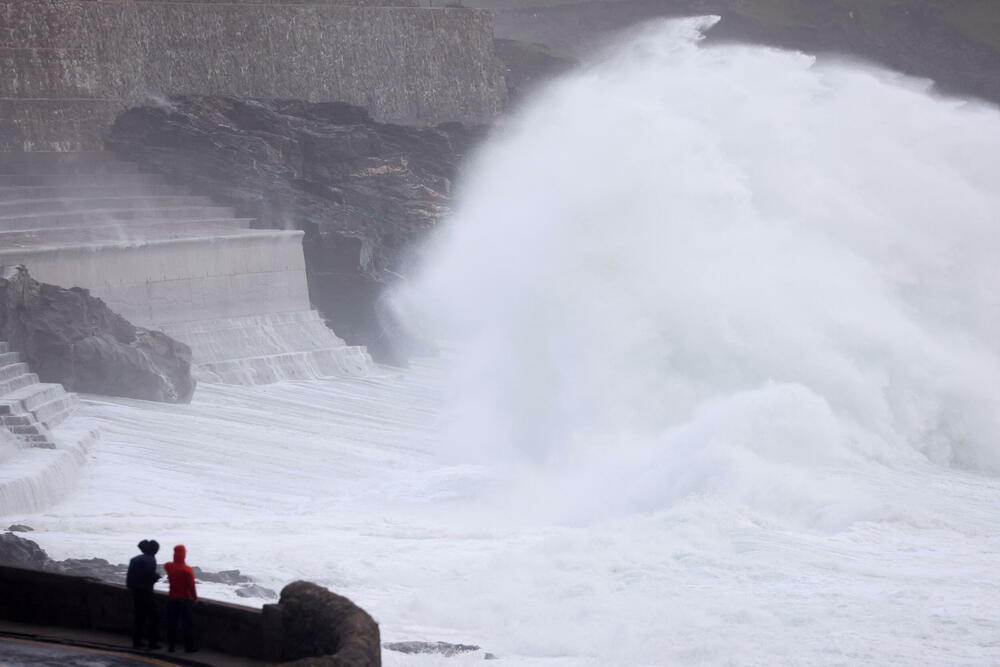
pixel 142 572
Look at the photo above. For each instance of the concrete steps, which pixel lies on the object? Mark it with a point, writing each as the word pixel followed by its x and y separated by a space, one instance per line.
pixel 65 163
pixel 36 192
pixel 73 204
pixel 98 216
pixel 29 408
pixel 18 382
pixel 11 371
pixel 77 180
pixel 269 348
pixel 160 255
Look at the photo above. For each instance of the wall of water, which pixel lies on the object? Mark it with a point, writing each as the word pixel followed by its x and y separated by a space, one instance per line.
pixel 728 270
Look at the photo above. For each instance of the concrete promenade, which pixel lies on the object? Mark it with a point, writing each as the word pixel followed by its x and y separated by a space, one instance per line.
pixel 27 644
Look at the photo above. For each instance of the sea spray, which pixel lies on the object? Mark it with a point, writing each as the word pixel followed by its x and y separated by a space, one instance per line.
pixel 724 270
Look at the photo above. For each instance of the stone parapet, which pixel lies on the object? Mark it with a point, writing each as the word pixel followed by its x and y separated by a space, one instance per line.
pixel 308 622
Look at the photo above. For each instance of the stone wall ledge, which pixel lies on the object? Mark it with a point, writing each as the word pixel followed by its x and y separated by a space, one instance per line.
pixel 336 627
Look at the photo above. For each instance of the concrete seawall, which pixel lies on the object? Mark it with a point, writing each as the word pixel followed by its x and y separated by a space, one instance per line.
pixel 271 633
pixel 46 598
pixel 68 67
pixel 161 282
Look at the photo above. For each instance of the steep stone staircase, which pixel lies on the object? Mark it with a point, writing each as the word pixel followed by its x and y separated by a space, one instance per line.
pixel 51 199
pixel 28 408
pixel 67 215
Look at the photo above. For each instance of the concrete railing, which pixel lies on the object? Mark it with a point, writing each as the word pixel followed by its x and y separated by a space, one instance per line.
pixel 309 621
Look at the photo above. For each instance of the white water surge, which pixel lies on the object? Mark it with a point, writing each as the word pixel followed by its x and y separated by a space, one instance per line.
pixel 725 391
pixel 727 270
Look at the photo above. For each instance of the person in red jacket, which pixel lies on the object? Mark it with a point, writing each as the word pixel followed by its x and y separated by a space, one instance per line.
pixel 180 604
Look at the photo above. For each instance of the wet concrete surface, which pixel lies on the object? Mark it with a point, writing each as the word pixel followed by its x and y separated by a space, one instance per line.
pixel 28 644
pixel 21 653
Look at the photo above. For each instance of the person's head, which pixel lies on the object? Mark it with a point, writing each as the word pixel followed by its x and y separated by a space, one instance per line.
pixel 149 547
pixel 180 553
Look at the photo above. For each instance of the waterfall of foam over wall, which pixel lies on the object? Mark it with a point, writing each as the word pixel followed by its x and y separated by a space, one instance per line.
pixel 725 270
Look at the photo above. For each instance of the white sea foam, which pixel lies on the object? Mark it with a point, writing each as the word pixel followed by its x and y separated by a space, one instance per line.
pixel 725 270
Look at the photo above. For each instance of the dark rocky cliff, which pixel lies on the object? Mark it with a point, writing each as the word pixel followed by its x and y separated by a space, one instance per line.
pixel 364 192
pixel 71 338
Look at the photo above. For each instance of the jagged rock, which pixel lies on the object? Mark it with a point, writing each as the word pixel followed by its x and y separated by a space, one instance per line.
pixel 17 551
pixel 98 568
pixel 255 591
pixel 438 648
pixel 320 628
pixel 363 192
pixel 74 339
pixel 19 528
pixel 229 577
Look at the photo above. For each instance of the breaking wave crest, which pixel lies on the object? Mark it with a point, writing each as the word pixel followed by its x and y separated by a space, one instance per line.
pixel 724 270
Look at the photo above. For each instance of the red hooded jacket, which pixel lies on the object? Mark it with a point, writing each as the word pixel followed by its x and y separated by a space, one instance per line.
pixel 180 576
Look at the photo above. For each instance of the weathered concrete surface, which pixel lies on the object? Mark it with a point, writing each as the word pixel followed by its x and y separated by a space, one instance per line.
pixel 71 338
pixel 159 282
pixel 363 192
pixel 68 67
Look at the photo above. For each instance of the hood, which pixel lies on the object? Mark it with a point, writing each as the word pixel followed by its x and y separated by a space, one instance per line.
pixel 180 553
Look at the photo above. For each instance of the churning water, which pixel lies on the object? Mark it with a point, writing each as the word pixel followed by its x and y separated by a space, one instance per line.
pixel 726 390
pixel 729 270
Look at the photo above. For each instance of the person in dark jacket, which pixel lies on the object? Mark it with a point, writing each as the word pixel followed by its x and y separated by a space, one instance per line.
pixel 180 604
pixel 140 578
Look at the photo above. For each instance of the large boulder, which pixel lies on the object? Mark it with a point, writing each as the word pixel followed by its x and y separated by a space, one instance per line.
pixel 363 192
pixel 323 629
pixel 72 338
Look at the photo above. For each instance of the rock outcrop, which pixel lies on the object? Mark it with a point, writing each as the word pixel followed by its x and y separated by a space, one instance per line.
pixel 323 629
pixel 363 192
pixel 447 649
pixel 71 338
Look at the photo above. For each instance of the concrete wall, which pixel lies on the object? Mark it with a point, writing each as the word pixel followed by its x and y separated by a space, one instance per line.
pixel 68 67
pixel 156 283
pixel 45 598
pixel 309 621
